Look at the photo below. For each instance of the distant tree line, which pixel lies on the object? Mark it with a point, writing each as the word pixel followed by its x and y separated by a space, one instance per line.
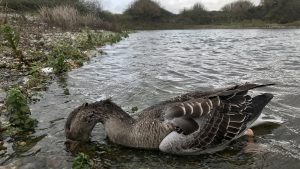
pixel 150 12
pixel 279 11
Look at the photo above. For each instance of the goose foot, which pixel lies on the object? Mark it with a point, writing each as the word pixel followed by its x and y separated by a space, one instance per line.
pixel 249 133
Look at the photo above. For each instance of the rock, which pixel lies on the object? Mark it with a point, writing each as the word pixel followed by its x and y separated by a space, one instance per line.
pixel 6 75
pixel 3 65
pixel 2 152
pixel 23 81
pixel 29 166
pixel 2 96
pixel 2 109
pixel 14 165
pixel 22 143
pixel 47 70
pixel 32 151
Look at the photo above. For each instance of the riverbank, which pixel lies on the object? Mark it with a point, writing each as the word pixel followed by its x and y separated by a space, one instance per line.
pixel 33 54
pixel 38 43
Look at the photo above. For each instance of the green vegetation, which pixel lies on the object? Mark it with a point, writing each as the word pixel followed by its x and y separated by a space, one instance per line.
pixel 147 10
pixel 197 14
pixel 281 11
pixel 88 42
pixel 91 39
pixel 57 60
pixel 13 38
pixel 37 78
pixel 82 161
pixel 70 54
pixel 48 49
pixel 134 109
pixel 19 112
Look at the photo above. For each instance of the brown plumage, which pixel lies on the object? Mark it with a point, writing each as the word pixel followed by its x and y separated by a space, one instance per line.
pixel 187 124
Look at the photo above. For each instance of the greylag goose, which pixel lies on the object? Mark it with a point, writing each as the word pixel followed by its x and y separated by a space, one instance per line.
pixel 190 124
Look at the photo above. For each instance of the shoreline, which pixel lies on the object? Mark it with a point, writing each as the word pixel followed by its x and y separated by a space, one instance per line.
pixel 40 55
pixel 270 27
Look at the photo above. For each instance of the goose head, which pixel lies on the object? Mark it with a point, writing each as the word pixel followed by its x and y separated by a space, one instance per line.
pixel 83 119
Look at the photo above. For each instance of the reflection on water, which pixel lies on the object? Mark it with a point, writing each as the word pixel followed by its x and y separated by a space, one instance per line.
pixel 151 66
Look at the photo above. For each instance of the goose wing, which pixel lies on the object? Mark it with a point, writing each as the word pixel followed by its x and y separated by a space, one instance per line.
pixel 206 123
pixel 221 92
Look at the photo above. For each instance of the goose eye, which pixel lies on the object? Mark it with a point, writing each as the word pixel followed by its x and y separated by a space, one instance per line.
pixel 86 104
pixel 178 130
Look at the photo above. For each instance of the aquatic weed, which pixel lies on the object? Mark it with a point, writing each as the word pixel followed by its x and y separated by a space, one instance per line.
pixel 134 109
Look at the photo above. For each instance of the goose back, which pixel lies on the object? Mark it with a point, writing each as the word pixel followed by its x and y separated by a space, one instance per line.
pixel 221 117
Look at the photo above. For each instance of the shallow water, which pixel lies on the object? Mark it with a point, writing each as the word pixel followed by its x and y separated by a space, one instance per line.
pixel 151 66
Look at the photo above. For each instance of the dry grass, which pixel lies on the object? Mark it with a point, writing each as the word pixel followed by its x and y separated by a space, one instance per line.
pixel 68 17
pixel 62 16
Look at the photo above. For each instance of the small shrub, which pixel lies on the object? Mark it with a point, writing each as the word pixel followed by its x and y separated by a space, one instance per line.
pixel 69 51
pixel 114 38
pixel 59 64
pixel 19 112
pixel 13 38
pixel 82 161
pixel 65 55
pixel 37 77
pixel 88 41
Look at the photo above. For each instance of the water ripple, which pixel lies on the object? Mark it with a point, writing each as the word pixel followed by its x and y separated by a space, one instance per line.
pixel 151 66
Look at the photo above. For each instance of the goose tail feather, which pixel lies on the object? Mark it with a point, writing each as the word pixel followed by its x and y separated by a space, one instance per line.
pixel 257 105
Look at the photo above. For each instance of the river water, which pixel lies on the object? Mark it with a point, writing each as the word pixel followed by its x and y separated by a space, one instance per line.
pixel 151 66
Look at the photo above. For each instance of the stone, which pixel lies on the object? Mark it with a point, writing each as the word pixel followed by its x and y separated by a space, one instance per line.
pixel 3 65
pixel 47 70
pixel 22 143
pixel 23 81
pixel 2 96
pixel 32 151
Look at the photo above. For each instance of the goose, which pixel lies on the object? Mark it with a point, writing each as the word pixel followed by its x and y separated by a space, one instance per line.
pixel 191 124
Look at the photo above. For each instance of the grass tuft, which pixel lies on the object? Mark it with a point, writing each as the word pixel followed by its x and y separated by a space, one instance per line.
pixel 68 17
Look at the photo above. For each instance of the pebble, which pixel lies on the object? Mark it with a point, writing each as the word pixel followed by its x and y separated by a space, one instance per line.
pixel 47 70
pixel 2 96
pixel 2 152
pixel 6 75
pixel 3 65
pixel 23 81
pixel 22 143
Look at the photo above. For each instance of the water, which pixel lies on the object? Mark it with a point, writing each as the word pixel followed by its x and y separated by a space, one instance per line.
pixel 151 66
